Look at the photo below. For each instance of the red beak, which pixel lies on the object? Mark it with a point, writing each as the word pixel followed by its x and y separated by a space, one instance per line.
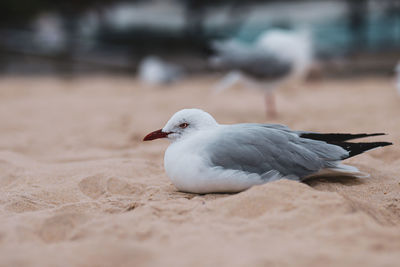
pixel 155 135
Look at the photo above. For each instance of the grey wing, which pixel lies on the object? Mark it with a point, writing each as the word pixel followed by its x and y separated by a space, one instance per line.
pixel 269 125
pixel 255 148
pixel 265 66
pixel 251 60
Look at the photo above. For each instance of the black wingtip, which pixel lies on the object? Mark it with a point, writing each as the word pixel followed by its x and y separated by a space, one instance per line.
pixel 376 134
pixel 336 137
pixel 340 139
pixel 358 148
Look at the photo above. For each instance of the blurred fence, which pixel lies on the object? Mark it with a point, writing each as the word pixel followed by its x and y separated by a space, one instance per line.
pixel 42 36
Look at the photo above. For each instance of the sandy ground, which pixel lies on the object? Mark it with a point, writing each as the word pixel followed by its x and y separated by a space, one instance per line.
pixel 79 187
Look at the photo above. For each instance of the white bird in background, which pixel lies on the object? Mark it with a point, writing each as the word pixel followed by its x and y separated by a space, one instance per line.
pixel 277 58
pixel 207 157
pixel 154 71
pixel 397 69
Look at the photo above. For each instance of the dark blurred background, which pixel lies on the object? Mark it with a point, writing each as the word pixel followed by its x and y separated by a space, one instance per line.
pixel 112 36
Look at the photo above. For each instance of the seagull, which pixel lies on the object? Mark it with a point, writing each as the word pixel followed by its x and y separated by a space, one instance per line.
pixel 154 71
pixel 207 157
pixel 277 58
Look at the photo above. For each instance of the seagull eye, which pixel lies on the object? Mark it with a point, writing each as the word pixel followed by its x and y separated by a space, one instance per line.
pixel 183 125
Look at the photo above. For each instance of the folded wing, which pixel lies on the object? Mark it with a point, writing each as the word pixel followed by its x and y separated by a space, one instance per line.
pixel 258 148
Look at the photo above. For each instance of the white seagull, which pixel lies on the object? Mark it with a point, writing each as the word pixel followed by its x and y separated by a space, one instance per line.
pixel 207 157
pixel 277 58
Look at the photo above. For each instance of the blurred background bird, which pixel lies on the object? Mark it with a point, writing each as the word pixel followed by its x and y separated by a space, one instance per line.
pixel 154 71
pixel 277 58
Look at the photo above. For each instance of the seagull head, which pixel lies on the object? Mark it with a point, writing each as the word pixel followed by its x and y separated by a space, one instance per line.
pixel 182 124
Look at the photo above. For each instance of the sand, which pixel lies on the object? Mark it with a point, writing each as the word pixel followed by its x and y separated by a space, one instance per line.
pixel 79 187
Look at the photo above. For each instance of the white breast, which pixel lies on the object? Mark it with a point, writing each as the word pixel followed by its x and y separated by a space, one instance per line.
pixel 189 169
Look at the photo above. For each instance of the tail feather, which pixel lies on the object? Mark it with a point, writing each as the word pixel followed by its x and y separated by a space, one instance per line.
pixel 349 170
pixel 340 170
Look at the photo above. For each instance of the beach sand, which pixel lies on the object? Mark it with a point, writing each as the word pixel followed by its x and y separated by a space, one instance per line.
pixel 80 188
